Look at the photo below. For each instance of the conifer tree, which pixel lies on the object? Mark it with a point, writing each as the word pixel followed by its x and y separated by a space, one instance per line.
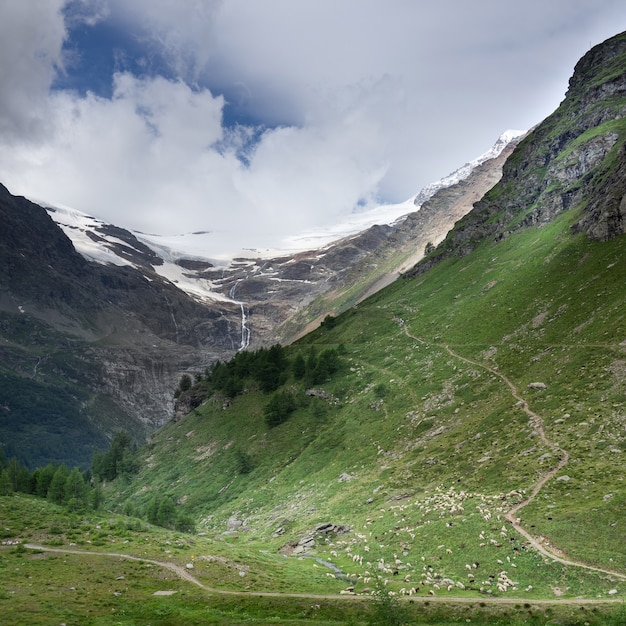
pixel 6 487
pixel 75 491
pixel 152 512
pixel 43 480
pixel 56 492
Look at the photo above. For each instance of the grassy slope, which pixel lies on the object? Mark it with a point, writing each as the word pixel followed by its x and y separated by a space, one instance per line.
pixel 412 422
pixel 40 588
pixel 420 447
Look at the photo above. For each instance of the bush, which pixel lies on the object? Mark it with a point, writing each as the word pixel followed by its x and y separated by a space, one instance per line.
pixel 185 383
pixel 244 462
pixel 380 391
pixel 185 524
pixel 329 322
pixel 281 405
pixel 387 610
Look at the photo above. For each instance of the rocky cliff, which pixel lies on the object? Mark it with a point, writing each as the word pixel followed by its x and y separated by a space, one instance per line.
pixel 574 161
pixel 109 343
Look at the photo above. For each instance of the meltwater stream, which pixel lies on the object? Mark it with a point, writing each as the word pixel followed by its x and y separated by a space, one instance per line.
pixel 245 331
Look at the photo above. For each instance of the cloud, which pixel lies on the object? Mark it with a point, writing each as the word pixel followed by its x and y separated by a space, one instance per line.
pixel 138 158
pixel 156 158
pixel 30 53
pixel 258 120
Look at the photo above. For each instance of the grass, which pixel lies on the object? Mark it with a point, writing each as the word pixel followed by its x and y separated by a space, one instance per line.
pixel 414 453
pixel 44 589
pixel 408 422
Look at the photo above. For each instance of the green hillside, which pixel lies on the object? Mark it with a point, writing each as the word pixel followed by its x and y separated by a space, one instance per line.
pixel 469 436
pixel 418 445
pixel 449 450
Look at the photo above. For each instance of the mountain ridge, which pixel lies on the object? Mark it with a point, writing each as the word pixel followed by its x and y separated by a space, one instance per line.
pixel 559 161
pixel 472 429
pixel 132 322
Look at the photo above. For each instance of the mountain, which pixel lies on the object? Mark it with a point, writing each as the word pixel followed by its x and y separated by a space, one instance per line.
pixel 375 247
pixel 89 349
pixel 99 323
pixel 572 160
pixel 402 243
pixel 460 432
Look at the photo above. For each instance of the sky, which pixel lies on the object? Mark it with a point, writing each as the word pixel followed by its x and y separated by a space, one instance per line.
pixel 259 120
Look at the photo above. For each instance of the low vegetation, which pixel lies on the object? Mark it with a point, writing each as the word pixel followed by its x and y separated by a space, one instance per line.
pixel 396 469
pixel 448 451
pixel 58 566
pixel 415 446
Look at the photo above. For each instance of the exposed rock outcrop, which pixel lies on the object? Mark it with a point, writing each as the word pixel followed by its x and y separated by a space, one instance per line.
pixel 109 342
pixel 575 159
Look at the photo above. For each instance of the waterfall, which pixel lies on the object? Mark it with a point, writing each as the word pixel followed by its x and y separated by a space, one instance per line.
pixel 245 331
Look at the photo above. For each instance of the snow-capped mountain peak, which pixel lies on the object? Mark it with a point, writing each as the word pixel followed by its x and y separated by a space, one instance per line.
pixel 465 170
pixel 185 260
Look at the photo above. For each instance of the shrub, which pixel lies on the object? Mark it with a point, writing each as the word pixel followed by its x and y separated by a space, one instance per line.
pixel 281 405
pixel 387 610
pixel 244 462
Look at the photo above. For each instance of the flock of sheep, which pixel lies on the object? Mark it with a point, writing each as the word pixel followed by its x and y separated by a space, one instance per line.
pixel 383 555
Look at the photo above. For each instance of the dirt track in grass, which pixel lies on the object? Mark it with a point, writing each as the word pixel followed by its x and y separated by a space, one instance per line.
pixel 536 422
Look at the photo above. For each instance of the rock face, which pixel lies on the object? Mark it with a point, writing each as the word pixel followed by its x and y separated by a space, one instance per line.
pixel 575 159
pixel 117 338
pixel 354 268
pixel 108 344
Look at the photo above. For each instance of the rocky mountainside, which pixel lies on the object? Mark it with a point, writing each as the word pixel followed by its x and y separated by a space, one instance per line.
pixel 104 345
pixel 400 245
pixel 283 296
pixel 103 329
pixel 575 159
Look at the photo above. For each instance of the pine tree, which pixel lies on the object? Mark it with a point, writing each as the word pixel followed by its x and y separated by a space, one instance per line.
pixel 96 497
pixel 75 492
pixel 56 492
pixel 43 480
pixel 299 367
pixel 19 476
pixel 152 512
pixel 6 487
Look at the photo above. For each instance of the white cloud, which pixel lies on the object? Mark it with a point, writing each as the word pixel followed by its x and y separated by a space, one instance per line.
pixel 31 35
pixel 362 99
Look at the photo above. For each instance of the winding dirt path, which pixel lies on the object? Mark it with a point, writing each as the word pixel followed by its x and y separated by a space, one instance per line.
pixel 511 515
pixel 185 575
pixel 537 424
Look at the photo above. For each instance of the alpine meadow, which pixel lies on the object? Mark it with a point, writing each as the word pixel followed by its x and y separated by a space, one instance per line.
pixel 448 450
